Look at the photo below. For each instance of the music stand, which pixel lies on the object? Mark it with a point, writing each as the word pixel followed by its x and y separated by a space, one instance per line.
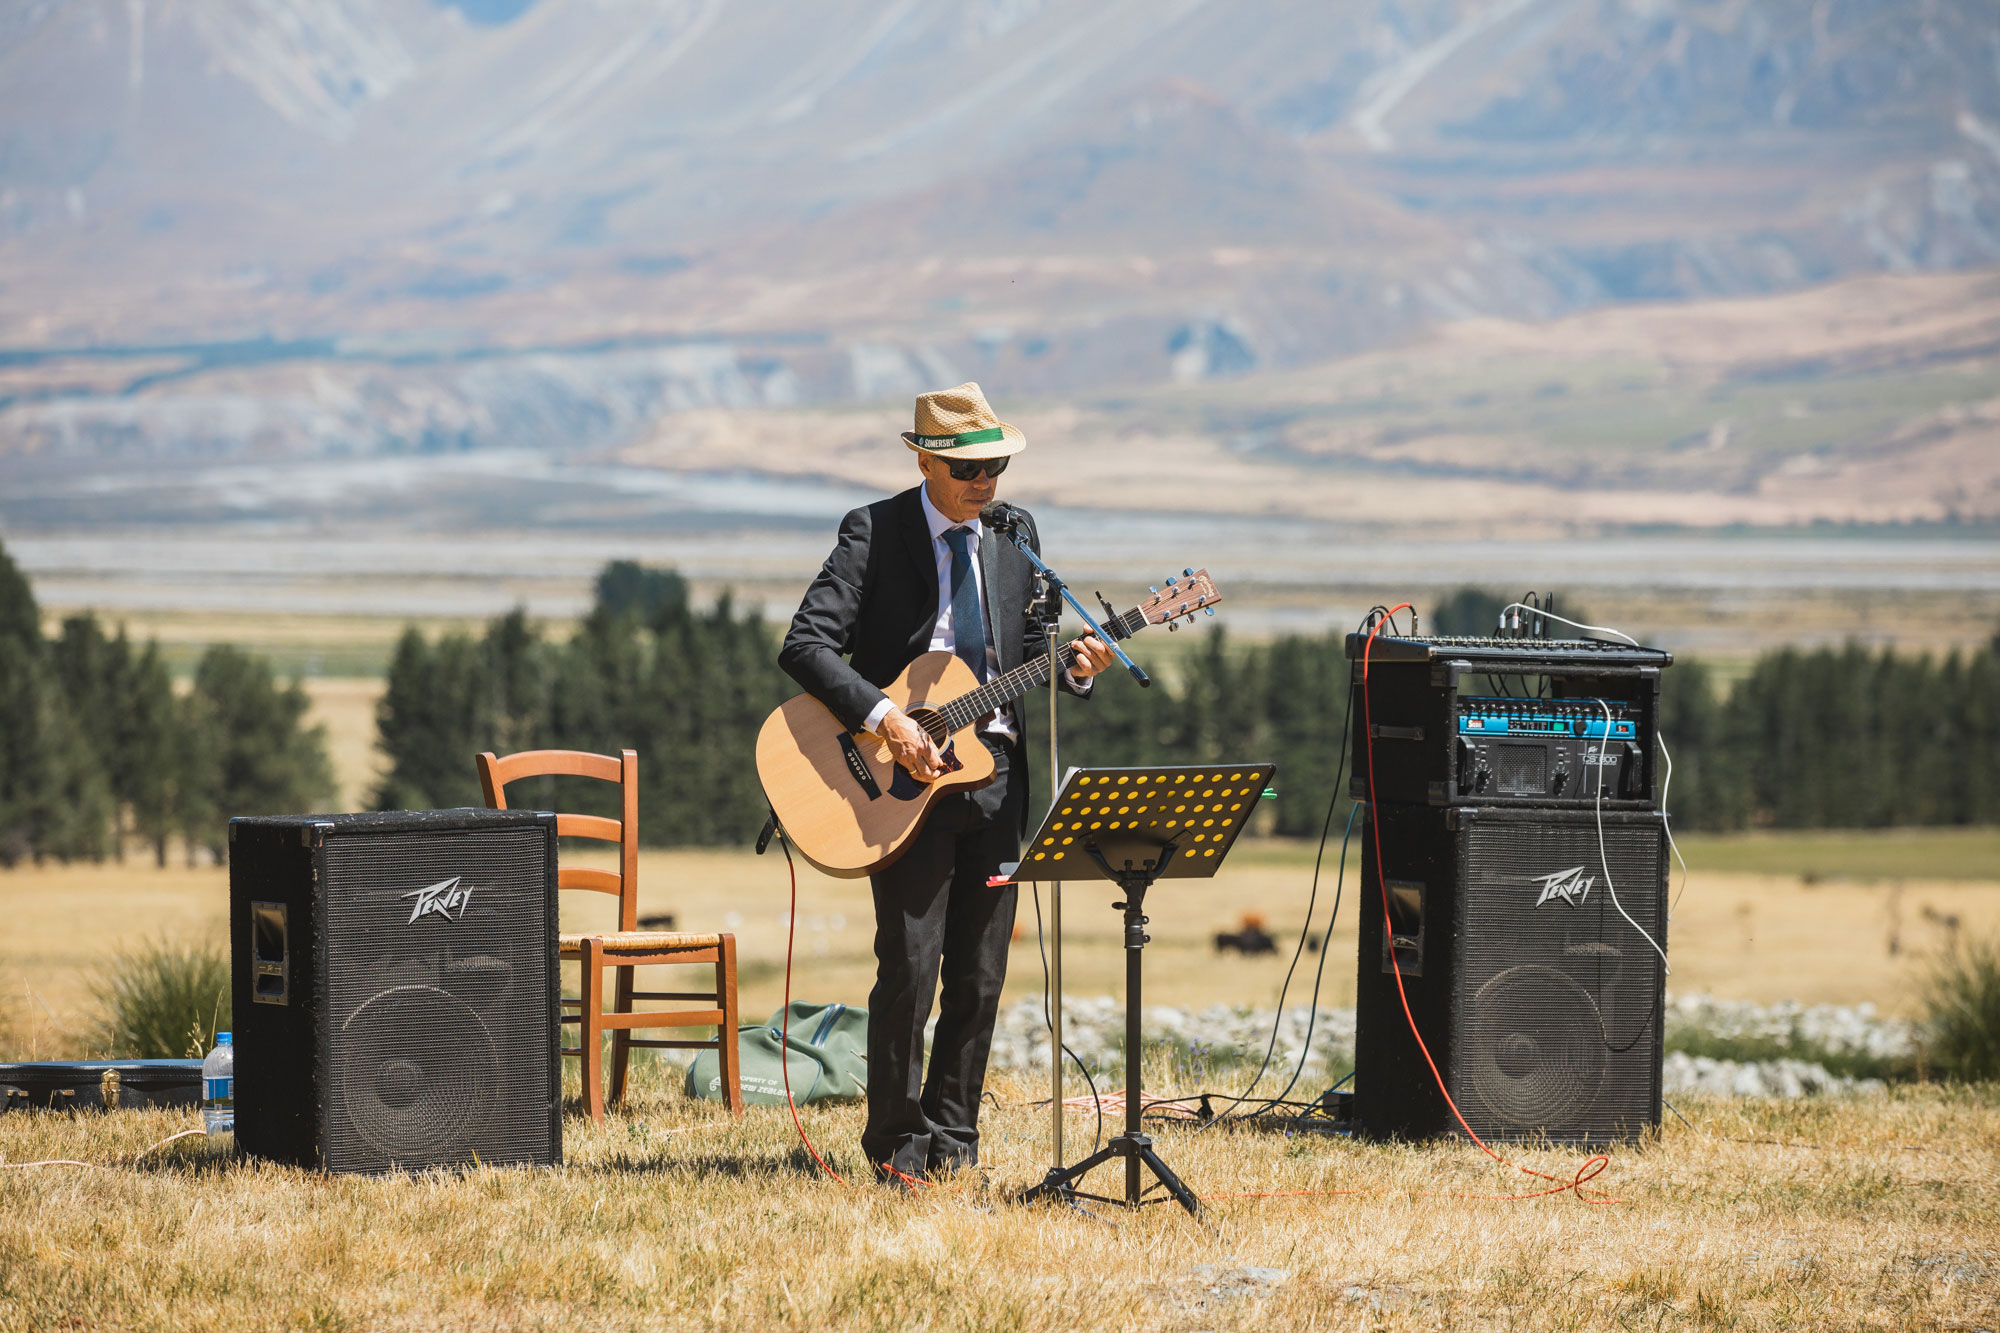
pixel 1134 826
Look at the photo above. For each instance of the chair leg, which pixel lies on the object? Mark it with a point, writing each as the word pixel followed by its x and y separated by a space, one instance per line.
pixel 725 1036
pixel 621 1038
pixel 593 1028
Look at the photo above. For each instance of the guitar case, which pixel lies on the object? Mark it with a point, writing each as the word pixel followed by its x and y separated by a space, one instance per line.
pixel 99 1085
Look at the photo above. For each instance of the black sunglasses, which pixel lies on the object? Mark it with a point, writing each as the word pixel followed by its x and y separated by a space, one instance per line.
pixel 966 469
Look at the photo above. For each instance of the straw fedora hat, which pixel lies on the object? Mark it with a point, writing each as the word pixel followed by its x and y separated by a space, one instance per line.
pixel 957 423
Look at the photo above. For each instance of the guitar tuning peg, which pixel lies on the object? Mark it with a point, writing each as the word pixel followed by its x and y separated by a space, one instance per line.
pixel 1189 573
pixel 1155 591
pixel 1170 580
pixel 1208 610
pixel 1173 625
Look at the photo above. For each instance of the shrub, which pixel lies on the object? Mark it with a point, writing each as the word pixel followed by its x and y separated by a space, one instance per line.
pixel 1962 1002
pixel 164 1001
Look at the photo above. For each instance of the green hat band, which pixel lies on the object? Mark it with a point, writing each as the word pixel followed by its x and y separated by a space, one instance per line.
pixel 954 441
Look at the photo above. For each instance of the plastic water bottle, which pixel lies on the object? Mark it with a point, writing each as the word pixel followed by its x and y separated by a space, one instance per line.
pixel 218 1091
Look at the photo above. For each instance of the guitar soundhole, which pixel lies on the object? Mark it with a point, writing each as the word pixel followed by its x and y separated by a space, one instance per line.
pixel 906 788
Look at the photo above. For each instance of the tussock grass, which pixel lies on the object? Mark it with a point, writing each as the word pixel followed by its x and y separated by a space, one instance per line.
pixel 163 1001
pixel 1849 1214
pixel 1962 997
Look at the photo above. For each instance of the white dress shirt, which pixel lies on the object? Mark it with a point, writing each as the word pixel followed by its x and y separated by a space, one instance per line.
pixel 942 637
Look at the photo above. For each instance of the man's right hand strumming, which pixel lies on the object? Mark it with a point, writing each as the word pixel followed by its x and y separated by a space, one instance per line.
pixel 911 746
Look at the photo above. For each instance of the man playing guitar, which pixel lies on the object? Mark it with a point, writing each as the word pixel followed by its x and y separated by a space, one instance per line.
pixel 911 574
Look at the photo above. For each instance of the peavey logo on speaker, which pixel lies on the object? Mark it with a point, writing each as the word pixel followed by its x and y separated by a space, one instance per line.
pixel 1572 886
pixel 440 899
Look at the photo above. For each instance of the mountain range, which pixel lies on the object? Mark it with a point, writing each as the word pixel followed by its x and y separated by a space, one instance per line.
pixel 312 226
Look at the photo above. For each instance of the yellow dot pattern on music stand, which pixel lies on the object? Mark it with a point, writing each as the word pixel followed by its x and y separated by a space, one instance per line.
pixel 1202 809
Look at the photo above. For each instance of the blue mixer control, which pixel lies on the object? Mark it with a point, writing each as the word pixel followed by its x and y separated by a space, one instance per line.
pixel 1544 717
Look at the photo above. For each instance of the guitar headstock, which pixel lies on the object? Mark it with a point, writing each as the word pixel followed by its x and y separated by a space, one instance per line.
pixel 1186 594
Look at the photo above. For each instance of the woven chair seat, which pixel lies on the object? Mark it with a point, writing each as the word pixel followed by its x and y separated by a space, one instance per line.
pixel 571 945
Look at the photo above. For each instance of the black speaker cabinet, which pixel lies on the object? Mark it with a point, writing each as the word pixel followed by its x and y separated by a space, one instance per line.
pixel 1540 1003
pixel 395 989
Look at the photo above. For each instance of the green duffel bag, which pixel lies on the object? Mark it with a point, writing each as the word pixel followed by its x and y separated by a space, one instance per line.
pixel 827 1058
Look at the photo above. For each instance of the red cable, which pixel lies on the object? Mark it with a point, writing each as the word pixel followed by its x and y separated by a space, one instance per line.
pixel 785 1020
pixel 785 1041
pixel 1598 1161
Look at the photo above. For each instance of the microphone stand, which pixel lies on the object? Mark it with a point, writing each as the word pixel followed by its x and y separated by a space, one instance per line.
pixel 1004 520
pixel 1050 613
pixel 1011 530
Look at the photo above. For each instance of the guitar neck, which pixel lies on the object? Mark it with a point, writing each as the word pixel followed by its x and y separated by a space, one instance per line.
pixel 1002 690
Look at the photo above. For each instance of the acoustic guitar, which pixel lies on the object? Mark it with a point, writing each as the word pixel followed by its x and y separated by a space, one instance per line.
pixel 849 807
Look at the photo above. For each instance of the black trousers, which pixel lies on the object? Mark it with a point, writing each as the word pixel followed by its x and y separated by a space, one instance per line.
pixel 934 911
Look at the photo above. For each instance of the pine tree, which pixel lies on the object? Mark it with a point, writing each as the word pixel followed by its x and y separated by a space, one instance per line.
pixel 21 738
pixel 20 618
pixel 432 719
pixel 516 671
pixel 1706 791
pixel 1466 611
pixel 1305 710
pixel 653 596
pixel 148 739
pixel 265 760
pixel 1978 737
pixel 100 686
pixel 53 797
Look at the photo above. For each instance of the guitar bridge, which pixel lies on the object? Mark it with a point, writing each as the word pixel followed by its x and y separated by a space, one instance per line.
pixel 859 766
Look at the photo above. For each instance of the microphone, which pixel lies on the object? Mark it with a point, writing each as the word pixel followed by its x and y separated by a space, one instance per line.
pixel 1001 516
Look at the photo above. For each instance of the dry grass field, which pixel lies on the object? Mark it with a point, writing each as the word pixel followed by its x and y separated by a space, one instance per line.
pixel 1874 1213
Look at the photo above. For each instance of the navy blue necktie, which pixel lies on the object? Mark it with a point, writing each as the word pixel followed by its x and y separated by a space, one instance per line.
pixel 968 622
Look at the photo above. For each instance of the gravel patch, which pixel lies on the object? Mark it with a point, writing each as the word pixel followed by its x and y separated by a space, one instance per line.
pixel 1844 1029
pixel 1683 1073
pixel 1221 1036
pixel 1228 1037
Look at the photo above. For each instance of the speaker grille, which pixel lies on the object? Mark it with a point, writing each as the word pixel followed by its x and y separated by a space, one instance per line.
pixel 436 965
pixel 417 1073
pixel 1529 1055
pixel 1558 990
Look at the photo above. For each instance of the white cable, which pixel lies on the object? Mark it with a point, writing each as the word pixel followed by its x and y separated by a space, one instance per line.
pixel 1604 856
pixel 1666 822
pixel 1550 615
pixel 1664 785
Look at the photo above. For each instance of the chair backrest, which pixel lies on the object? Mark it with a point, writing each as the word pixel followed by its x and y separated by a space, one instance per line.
pixel 495 774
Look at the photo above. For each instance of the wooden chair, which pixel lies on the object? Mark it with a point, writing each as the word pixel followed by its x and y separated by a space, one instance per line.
pixel 628 948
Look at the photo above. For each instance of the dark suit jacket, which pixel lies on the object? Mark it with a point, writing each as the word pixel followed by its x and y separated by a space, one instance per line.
pixel 876 599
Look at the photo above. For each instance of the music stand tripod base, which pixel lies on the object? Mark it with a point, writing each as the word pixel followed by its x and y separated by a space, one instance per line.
pixel 1134 827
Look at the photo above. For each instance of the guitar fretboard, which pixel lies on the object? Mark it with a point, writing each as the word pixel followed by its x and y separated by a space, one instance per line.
pixel 1003 689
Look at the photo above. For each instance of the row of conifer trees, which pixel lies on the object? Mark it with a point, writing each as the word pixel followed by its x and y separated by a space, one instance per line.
pixel 645 670
pixel 1825 738
pixel 97 748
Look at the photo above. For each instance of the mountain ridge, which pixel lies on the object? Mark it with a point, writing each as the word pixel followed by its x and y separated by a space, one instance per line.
pixel 554 224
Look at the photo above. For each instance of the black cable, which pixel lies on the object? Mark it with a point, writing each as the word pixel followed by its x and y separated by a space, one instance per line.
pixel 1048 1020
pixel 1312 898
pixel 1319 974
pixel 1381 612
